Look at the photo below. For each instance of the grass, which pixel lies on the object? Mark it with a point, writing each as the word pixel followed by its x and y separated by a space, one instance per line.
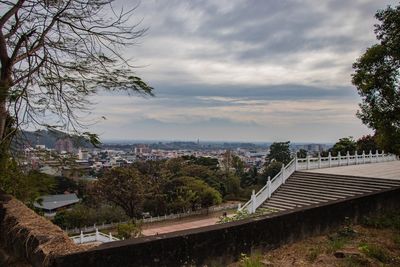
pixel 254 260
pixel 375 252
pixel 313 253
pixel 383 221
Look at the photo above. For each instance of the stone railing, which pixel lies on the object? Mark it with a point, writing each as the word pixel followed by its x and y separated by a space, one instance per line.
pixel 308 163
pixel 174 216
pixel 96 237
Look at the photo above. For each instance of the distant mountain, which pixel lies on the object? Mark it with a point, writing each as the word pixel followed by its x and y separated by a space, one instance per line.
pixel 48 138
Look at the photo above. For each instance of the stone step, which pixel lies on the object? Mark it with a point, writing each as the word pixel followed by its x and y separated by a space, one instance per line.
pixel 318 195
pixel 324 190
pixel 340 182
pixel 288 191
pixel 315 184
pixel 305 188
pixel 378 181
pixel 332 177
pixel 288 202
pixel 299 198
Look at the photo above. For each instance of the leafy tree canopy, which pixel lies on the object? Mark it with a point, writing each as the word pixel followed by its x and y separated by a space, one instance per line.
pixel 343 145
pixel 279 151
pixel 377 79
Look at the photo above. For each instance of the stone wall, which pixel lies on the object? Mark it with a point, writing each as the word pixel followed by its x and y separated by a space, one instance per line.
pixel 27 239
pixel 225 242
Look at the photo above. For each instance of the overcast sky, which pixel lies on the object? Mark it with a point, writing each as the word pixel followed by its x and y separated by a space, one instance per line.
pixel 235 70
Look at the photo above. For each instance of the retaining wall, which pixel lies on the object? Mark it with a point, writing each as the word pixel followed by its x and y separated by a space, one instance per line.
pixel 225 242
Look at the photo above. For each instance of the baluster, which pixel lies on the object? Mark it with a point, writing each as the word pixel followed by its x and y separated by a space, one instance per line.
pixel 283 173
pixel 363 156
pixel 319 160
pixel 377 155
pixel 253 202
pixel 348 157
pixel 295 162
pixel 308 162
pixel 269 187
pixel 370 156
pixel 330 159
pixel 356 157
pixel 339 158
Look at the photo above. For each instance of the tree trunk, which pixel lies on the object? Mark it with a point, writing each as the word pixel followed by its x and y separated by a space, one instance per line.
pixel 3 119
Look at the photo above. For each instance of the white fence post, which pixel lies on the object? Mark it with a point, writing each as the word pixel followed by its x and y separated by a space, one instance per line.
pixel 253 202
pixel 81 238
pixel 330 159
pixel 339 158
pixel 319 160
pixel 370 156
pixel 356 157
pixel 269 186
pixel 363 156
pixel 97 235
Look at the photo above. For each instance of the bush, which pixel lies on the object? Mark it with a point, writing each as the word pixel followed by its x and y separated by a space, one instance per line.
pixel 373 251
pixel 81 215
pixel 129 230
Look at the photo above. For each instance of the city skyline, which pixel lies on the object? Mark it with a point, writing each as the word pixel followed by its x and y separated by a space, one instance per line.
pixel 243 71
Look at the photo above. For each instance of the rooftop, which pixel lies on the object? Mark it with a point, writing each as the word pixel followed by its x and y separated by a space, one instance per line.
pixel 52 202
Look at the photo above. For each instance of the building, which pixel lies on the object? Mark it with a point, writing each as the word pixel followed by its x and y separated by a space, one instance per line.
pixel 52 203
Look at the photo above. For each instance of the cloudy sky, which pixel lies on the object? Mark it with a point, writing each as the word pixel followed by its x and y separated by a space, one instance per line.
pixel 232 70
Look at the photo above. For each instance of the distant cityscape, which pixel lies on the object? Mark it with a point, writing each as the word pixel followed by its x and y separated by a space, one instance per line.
pixel 65 157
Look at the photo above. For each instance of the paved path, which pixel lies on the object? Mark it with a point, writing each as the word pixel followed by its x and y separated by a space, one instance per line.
pixel 178 226
pixel 387 170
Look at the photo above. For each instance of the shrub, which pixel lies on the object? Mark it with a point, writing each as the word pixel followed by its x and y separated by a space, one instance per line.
pixel 129 230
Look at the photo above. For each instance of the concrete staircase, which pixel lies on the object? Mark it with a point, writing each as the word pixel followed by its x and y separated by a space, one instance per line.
pixel 303 189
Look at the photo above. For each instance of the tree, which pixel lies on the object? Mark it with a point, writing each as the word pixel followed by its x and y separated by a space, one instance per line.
pixel 124 187
pixel 27 187
pixel 343 145
pixel 367 143
pixel 129 230
pixel 54 54
pixel 280 151
pixel 378 81
pixel 302 153
pixel 271 170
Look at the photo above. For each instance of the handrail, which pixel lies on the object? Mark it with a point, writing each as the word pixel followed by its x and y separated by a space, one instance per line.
pixel 257 199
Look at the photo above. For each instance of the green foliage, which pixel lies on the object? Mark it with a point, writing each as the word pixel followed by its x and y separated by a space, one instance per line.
pixel 343 145
pixel 375 252
pixel 313 254
pixel 386 220
pixel 187 193
pixel 250 178
pixel 302 153
pixel 124 187
pixel 270 170
pixel 377 80
pixel 27 187
pixel 367 143
pixel 239 215
pixel 81 215
pixel 279 151
pixel 129 230
pixel 254 260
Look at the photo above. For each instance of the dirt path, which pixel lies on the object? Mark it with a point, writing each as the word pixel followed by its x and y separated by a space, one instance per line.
pixel 182 224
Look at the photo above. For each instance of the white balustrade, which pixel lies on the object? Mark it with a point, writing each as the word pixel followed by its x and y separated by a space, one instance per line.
pixel 308 163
